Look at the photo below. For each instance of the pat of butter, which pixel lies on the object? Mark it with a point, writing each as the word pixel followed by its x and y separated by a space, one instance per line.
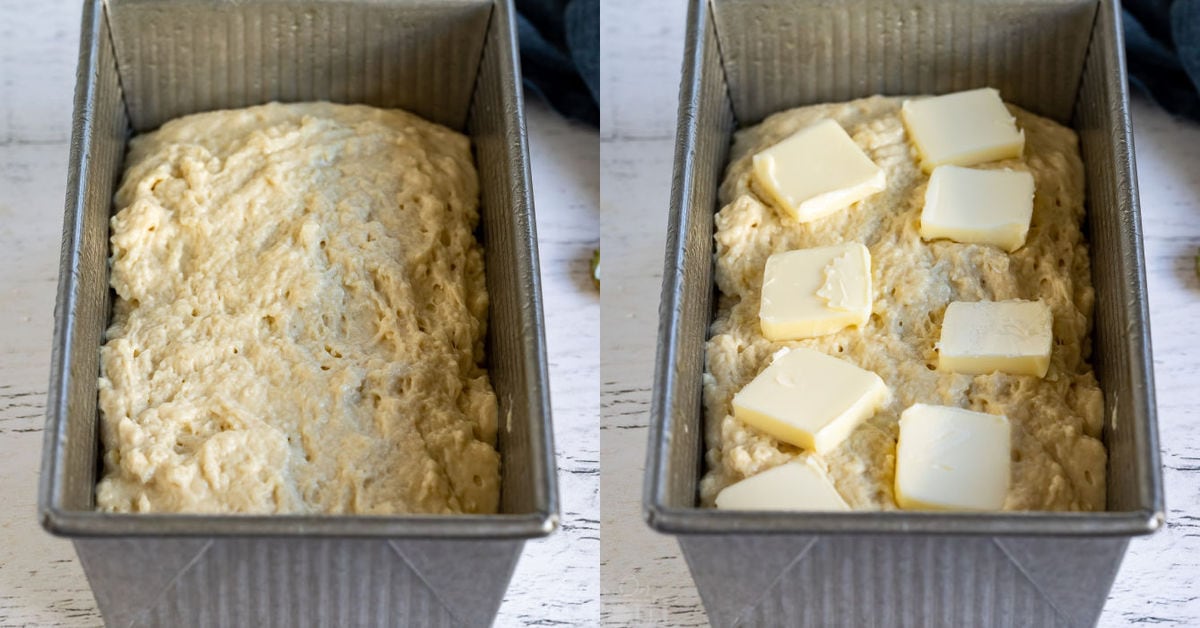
pixel 817 171
pixel 952 459
pixel 796 485
pixel 978 206
pixel 810 399
pixel 988 336
pixel 964 128
pixel 813 292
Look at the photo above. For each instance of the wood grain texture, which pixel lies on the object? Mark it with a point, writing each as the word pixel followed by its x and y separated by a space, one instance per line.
pixel 557 581
pixel 644 581
pixel 41 582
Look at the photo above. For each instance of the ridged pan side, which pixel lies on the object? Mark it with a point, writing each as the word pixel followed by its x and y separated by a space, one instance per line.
pixel 780 54
pixel 908 582
pixel 516 339
pixel 701 147
pixel 1121 348
pixel 81 311
pixel 187 56
pixel 284 583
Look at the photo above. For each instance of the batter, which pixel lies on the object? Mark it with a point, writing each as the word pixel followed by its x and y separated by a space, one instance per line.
pixel 1058 461
pixel 299 319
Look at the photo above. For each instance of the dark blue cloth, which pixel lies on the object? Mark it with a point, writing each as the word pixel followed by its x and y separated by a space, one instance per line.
pixel 560 54
pixel 1162 51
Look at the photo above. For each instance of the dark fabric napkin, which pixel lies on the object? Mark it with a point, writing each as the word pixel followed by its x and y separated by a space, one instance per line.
pixel 1162 51
pixel 560 54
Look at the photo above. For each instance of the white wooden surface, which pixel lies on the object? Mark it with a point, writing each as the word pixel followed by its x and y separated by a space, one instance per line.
pixel 41 583
pixel 643 579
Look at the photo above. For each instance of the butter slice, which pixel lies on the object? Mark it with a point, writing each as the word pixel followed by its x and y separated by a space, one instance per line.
pixel 988 336
pixel 817 171
pixel 964 128
pixel 809 399
pixel 796 485
pixel 978 206
pixel 952 459
pixel 813 292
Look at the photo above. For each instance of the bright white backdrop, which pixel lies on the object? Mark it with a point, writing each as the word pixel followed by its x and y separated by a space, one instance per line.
pixel 643 579
pixel 41 583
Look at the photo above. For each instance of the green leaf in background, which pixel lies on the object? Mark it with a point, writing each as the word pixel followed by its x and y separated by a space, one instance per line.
pixel 596 267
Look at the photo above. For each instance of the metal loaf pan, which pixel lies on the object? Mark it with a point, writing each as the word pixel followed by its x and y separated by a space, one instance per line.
pixel 143 62
pixel 745 59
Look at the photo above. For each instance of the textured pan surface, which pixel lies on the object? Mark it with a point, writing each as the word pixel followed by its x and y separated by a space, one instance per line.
pixel 746 58
pixel 185 56
pixel 778 53
pixel 165 59
pixel 454 62
pixel 238 582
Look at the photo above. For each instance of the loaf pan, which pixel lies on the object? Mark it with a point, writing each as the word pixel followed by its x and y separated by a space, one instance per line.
pixel 745 59
pixel 143 62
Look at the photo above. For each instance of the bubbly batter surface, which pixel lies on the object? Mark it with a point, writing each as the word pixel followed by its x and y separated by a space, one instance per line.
pixel 299 318
pixel 1058 461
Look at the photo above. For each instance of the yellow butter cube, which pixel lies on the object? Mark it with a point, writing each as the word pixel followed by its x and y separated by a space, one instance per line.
pixel 988 336
pixel 813 292
pixel 797 485
pixel 952 459
pixel 817 171
pixel 810 399
pixel 978 206
pixel 963 128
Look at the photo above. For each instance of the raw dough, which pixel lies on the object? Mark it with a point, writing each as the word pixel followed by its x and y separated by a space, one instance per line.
pixel 300 318
pixel 1058 460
